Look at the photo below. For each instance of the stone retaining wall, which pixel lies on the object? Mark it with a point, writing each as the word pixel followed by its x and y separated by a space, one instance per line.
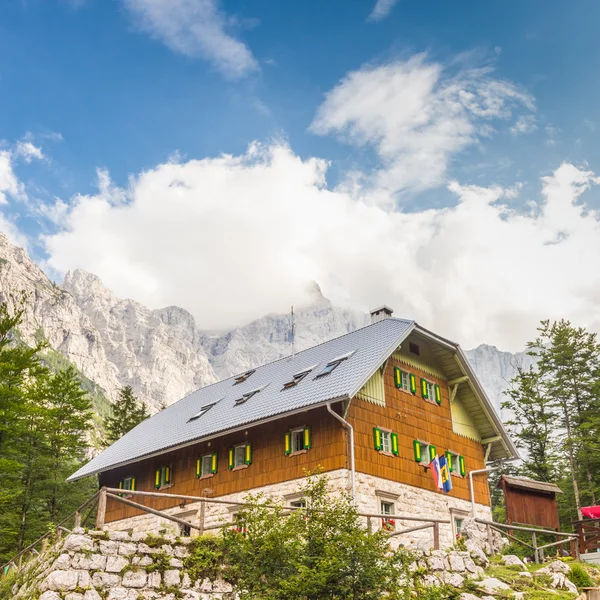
pixel 100 565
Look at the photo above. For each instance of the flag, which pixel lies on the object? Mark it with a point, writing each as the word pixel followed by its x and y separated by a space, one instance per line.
pixel 435 472
pixel 445 475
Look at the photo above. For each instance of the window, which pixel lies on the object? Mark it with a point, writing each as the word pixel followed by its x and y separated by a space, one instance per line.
pixel 387 523
pixel 202 411
pixel 297 440
pixel 458 519
pixel 240 456
pixel 385 441
pixel 333 364
pixel 414 348
pixel 298 503
pixel 162 477
pixel 247 396
pixel 424 452
pixel 401 379
pixel 298 377
pixel 241 378
pixel 431 391
pixel 128 483
pixel 206 466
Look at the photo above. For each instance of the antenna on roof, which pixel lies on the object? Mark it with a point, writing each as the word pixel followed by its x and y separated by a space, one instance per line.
pixel 293 333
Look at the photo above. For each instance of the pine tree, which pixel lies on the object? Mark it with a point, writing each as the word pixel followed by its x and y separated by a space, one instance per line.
pixel 532 424
pixel 127 413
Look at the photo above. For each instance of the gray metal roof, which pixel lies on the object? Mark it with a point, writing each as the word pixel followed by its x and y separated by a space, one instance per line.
pixel 172 428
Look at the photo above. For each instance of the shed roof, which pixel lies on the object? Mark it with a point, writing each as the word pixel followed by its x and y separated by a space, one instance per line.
pixel 363 352
pixel 527 483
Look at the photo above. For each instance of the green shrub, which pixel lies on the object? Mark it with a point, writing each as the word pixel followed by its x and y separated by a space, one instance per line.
pixel 580 577
pixel 205 558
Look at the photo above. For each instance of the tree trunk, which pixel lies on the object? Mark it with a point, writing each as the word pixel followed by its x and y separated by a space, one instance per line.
pixel 572 460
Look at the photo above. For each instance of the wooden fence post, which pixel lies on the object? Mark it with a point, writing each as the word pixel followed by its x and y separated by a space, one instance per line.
pixel 101 514
pixel 201 517
pixel 535 550
pixel 436 536
pixel 77 519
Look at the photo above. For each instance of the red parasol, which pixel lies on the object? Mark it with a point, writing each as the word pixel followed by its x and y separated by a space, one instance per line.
pixel 591 512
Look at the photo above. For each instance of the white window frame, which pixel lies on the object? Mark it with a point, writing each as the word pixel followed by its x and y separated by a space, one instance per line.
pixel 127 480
pixel 235 455
pixel 299 431
pixel 405 380
pixel 204 473
pixel 454 515
pixel 386 440
pixel 385 502
pixel 455 464
pixel 425 458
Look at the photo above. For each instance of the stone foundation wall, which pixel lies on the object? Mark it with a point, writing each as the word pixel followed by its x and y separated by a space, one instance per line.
pixel 370 490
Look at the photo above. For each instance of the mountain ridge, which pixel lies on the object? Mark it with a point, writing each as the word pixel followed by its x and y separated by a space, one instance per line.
pixel 161 353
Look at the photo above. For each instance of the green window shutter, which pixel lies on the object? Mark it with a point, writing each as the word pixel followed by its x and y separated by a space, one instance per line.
pixel 398 377
pixel 288 443
pixel 230 458
pixel 157 478
pixel 121 484
pixel 377 438
pixel 307 439
pixel 198 467
pixel 424 389
pixel 248 454
pixel 395 449
pixel 417 449
pixel 432 452
pixel 449 462
pixel 133 484
pixel 413 383
pixel 438 394
pixel 214 463
pixel 461 464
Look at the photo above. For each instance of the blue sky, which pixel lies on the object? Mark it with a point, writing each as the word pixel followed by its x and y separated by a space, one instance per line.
pixel 390 108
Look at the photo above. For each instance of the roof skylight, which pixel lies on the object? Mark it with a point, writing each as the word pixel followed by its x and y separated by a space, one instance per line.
pixel 241 378
pixel 333 364
pixel 298 377
pixel 247 396
pixel 202 411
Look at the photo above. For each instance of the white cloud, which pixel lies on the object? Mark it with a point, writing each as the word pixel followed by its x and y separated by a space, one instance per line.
pixel 417 116
pixel 196 28
pixel 381 10
pixel 233 237
pixel 28 151
pixel 10 186
pixel 524 124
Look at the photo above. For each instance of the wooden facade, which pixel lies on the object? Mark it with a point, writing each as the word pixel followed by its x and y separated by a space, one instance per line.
pixel 269 463
pixel 413 418
pixel 405 413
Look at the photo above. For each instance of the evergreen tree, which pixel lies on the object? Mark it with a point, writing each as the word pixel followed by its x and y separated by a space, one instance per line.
pixel 44 418
pixel 127 413
pixel 556 407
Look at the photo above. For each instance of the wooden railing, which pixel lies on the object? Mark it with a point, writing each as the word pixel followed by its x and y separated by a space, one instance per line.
pixel 538 551
pixel 588 535
pixel 100 498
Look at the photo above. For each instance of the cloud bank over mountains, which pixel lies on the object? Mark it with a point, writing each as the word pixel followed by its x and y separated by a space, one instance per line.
pixel 233 237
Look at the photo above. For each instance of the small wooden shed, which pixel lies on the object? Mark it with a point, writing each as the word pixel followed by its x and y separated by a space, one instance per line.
pixel 530 502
